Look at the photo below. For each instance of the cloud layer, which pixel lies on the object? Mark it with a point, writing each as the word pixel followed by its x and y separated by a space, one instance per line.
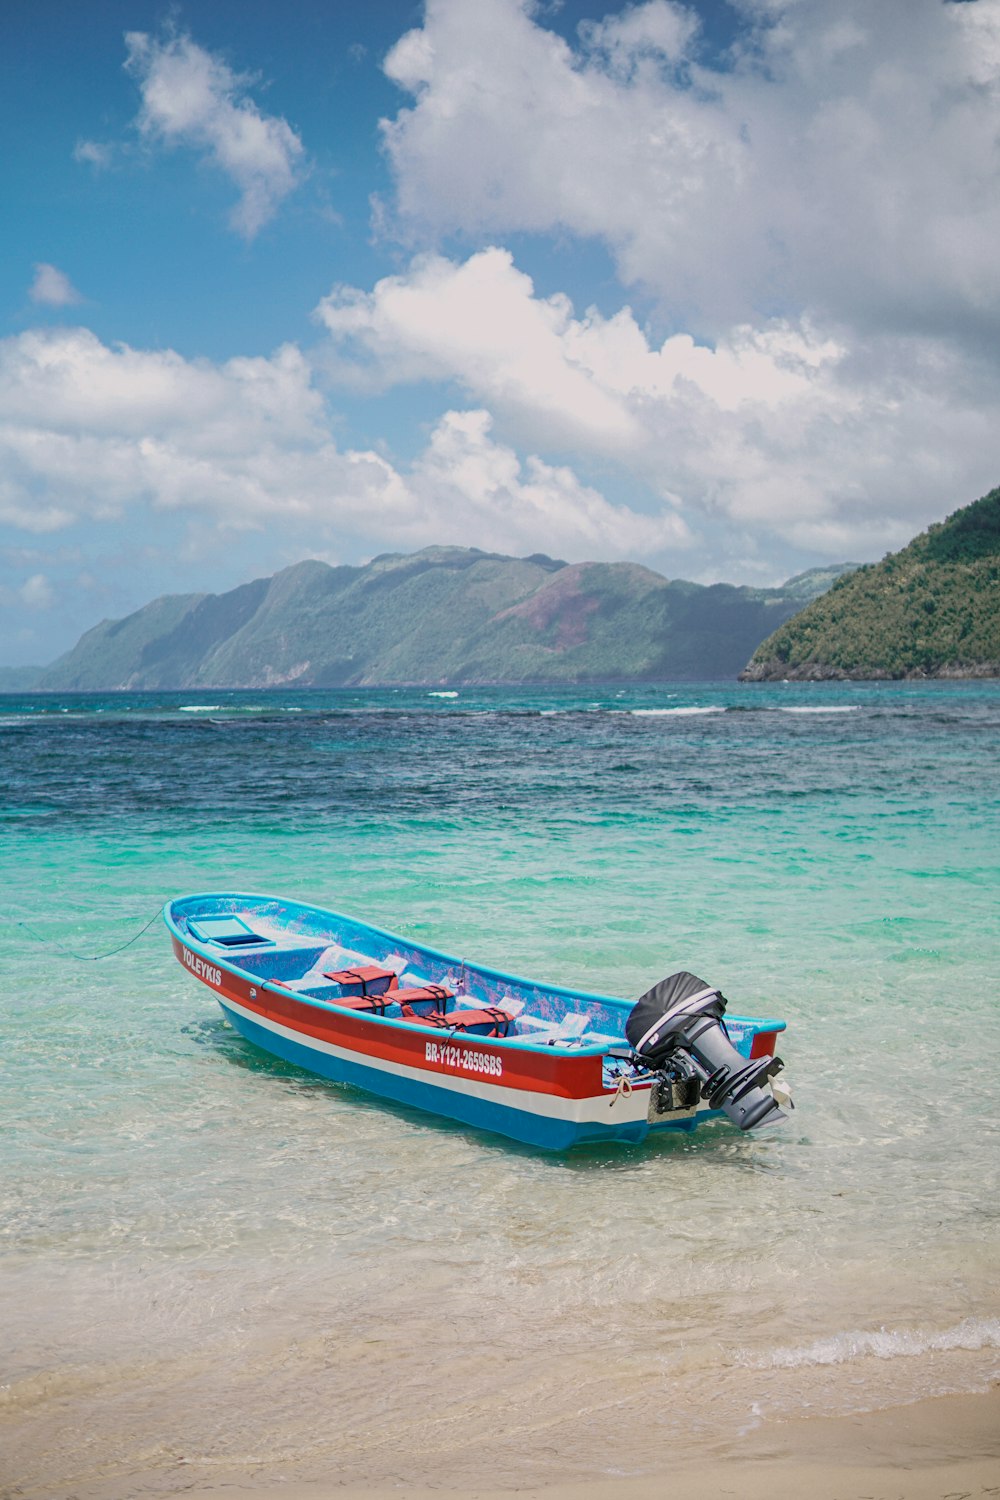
pixel 91 432
pixel 776 430
pixel 843 163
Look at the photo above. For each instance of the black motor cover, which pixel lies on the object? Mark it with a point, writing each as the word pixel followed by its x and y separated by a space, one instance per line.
pixel 657 1004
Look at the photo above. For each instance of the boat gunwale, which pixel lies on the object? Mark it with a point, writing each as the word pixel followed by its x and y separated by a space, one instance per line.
pixel 765 1024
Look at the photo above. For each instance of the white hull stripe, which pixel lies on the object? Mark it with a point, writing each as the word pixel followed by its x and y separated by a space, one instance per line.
pixel 617 1109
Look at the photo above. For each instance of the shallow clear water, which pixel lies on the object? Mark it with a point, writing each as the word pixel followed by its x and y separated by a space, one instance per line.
pixel 210 1256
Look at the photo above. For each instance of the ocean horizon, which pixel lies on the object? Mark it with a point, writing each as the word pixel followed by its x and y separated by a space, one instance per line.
pixel 215 1260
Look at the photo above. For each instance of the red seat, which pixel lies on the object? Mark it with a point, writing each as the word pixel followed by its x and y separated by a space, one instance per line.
pixel 374 1005
pixel 491 1021
pixel 433 996
pixel 365 979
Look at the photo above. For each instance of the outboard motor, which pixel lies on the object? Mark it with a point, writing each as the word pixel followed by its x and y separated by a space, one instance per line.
pixel 676 1031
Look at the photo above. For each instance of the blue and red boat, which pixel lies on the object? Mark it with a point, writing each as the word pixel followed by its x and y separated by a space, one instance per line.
pixel 549 1066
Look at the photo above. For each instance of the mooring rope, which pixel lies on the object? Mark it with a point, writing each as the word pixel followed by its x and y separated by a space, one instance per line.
pixel 88 958
pixel 623 1091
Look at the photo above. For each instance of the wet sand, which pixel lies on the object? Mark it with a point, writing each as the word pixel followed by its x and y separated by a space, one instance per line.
pixel 945 1448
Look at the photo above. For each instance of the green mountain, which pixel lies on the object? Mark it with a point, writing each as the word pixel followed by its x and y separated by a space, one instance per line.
pixel 443 615
pixel 931 610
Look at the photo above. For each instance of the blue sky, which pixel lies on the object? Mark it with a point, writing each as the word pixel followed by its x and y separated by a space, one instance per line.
pixel 711 287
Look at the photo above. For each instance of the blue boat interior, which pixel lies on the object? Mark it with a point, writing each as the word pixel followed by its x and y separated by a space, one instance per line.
pixel 299 948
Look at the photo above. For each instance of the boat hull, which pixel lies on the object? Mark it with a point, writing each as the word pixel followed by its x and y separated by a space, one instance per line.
pixel 551 1123
pixel 548 1095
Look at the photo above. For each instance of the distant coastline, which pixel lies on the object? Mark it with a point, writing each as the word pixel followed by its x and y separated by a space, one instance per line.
pixel 452 617
pixel 443 617
pixel 774 670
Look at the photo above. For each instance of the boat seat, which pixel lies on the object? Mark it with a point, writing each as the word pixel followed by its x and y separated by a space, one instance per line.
pixel 364 979
pixel 490 1021
pixel 431 996
pixel 568 1029
pixel 372 1005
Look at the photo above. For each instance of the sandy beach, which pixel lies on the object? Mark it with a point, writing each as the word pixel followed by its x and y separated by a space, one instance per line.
pixel 945 1448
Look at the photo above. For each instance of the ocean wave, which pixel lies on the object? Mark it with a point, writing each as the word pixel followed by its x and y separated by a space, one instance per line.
pixel 828 708
pixel 658 713
pixel 442 695
pixel 234 710
pixel 883 1343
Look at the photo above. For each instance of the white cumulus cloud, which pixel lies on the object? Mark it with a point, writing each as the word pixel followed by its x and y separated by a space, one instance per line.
pixel 192 98
pixel 479 324
pixel 97 154
pixel 778 433
pixel 92 432
pixel 35 593
pixel 52 287
pixel 842 164
pixel 473 485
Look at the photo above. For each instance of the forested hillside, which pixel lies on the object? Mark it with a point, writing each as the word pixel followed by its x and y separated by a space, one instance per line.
pixel 931 610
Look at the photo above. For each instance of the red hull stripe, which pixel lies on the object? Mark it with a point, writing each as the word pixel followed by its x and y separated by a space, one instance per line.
pixel 394 1042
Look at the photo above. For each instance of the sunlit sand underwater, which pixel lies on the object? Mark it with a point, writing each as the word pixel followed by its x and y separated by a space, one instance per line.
pixel 213 1262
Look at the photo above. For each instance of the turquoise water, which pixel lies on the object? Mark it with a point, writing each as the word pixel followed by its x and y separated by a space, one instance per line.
pixel 212 1260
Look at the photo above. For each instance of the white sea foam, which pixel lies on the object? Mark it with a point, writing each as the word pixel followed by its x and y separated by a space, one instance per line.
pixel 828 708
pixel 882 1343
pixel 442 695
pixel 658 713
pixel 237 708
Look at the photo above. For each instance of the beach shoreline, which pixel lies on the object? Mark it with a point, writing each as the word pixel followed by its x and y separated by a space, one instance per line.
pixel 938 1448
